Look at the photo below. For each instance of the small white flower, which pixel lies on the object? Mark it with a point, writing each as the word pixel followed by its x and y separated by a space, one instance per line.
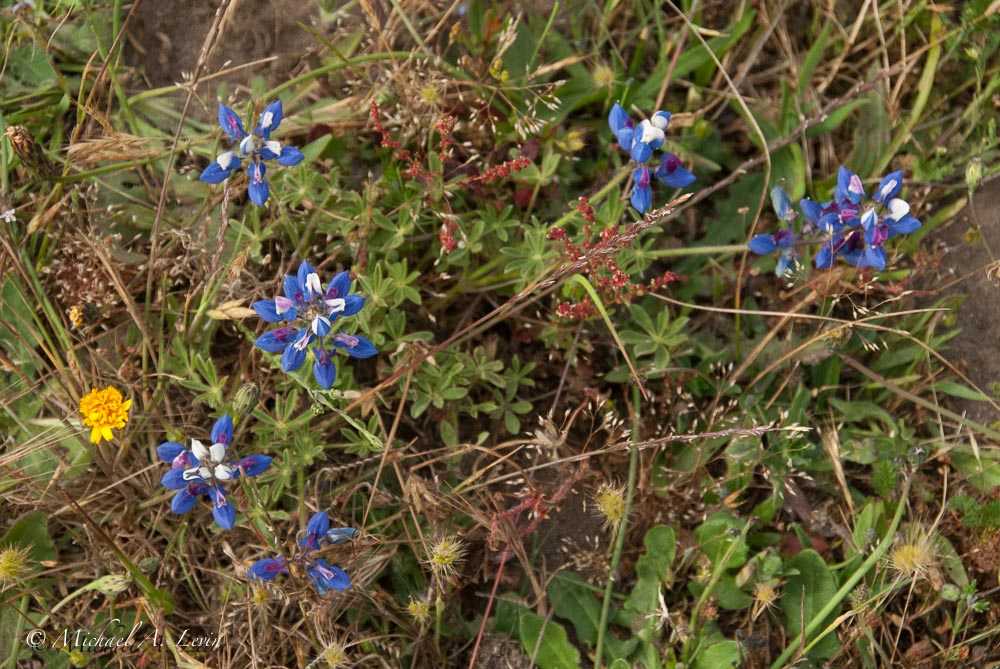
pixel 8 215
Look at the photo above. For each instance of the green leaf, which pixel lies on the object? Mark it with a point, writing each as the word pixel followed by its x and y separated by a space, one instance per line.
pixel 716 536
pixel 573 599
pixel 32 532
pixel 872 135
pixel 982 472
pixel 374 441
pixel 958 390
pixel 730 596
pixel 724 654
pixel 549 638
pixel 651 569
pixel 804 595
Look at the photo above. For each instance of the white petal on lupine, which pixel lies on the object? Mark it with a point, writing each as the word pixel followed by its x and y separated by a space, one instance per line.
pixel 199 449
pixel 205 472
pixel 868 218
pixel 266 119
pixel 312 283
pixel 336 305
pixel 886 189
pixel 660 120
pixel 649 133
pixel 247 145
pixel 218 452
pixel 274 146
pixel 282 304
pixel 225 160
pixel 223 472
pixel 303 341
pixel 898 208
pixel 191 474
pixel 317 321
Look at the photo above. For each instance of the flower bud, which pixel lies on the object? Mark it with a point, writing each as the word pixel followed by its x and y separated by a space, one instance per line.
pixel 974 174
pixel 245 401
pixel 111 584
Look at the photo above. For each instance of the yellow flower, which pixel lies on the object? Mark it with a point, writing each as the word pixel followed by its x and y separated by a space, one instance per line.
pixel 103 410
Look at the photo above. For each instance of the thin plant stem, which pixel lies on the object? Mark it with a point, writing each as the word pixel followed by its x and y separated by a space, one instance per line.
pixel 616 558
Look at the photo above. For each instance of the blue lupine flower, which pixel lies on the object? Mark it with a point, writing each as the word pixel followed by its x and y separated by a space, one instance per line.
pixel 316 529
pixel 318 533
pixel 861 230
pixel 640 142
pixel 855 249
pixel 622 126
pixel 324 577
pixel 889 187
pixel 642 194
pixel 824 217
pixel 783 240
pixel 849 187
pixel 268 568
pixel 202 470
pixel 671 173
pixel 311 312
pixel 258 147
pixel 355 346
pixel 764 244
pixel 339 535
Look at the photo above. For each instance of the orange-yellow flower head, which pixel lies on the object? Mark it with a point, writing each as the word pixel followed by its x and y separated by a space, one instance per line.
pixel 103 410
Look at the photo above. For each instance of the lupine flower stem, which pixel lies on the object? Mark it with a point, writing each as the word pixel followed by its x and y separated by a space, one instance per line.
pixel 698 251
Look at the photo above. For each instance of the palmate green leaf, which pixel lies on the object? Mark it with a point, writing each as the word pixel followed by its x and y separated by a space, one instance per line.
pixel 376 444
pixel 805 594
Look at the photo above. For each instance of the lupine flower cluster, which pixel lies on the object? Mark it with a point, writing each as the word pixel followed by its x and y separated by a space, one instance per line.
pixel 641 142
pixel 322 576
pixel 310 313
pixel 258 147
pixel 203 470
pixel 852 226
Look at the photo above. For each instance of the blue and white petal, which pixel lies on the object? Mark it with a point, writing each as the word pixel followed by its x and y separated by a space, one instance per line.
pixel 269 120
pixel 257 188
pixel 231 123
